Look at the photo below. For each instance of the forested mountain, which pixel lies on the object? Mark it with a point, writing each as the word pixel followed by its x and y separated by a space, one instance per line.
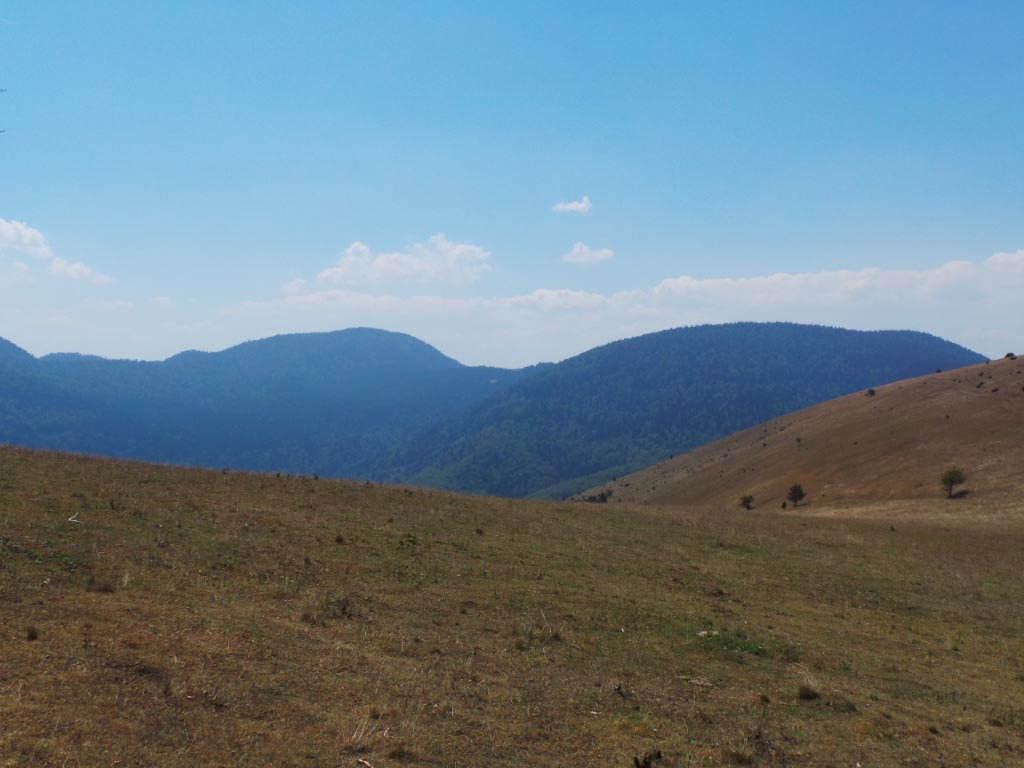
pixel 326 403
pixel 631 403
pixel 371 404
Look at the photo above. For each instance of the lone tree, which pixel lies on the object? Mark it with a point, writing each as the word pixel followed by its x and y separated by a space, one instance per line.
pixel 746 501
pixel 951 478
pixel 796 494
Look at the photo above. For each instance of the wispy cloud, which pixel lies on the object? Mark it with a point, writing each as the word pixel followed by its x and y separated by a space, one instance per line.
pixel 437 260
pixel 573 206
pixel 76 270
pixel 975 303
pixel 955 281
pixel 584 254
pixel 293 286
pixel 19 236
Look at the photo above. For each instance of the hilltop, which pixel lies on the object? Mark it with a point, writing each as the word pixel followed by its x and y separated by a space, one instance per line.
pixel 628 404
pixel 879 445
pixel 152 615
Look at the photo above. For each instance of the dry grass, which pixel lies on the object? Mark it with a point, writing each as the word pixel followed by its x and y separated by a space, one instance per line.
pixel 861 448
pixel 186 618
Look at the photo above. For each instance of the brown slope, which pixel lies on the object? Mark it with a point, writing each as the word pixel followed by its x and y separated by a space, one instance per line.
pixel 892 445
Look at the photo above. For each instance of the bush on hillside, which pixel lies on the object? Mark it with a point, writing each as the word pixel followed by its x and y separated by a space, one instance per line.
pixel 796 494
pixel 951 478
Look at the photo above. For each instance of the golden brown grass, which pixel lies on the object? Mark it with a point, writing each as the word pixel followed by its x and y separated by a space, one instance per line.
pixel 893 444
pixel 187 618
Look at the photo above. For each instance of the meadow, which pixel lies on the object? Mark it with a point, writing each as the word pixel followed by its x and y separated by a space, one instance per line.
pixel 151 615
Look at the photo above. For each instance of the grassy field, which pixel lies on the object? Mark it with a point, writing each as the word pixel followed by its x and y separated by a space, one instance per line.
pixel 159 616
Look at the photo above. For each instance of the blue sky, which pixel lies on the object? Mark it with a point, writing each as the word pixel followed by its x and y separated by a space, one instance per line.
pixel 191 175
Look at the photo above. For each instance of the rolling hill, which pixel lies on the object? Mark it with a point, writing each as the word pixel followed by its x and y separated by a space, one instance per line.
pixel 153 615
pixel 626 405
pixel 888 443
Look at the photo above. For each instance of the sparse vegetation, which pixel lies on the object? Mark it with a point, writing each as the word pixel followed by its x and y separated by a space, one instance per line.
pixel 951 478
pixel 858 448
pixel 568 634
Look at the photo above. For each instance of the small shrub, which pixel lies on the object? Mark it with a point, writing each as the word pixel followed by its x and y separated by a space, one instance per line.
pixel 796 494
pixel 808 692
pixel 870 392
pixel 747 501
pixel 951 478
pixel 31 634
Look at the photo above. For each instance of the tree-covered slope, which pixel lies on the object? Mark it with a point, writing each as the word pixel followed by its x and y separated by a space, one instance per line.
pixel 373 404
pixel 631 403
pixel 328 403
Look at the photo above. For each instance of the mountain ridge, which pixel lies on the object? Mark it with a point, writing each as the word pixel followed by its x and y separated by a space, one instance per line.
pixel 380 405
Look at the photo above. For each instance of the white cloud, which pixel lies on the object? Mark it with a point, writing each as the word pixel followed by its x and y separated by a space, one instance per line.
pixel 76 270
pixel 19 236
pixel 162 301
pixel 583 254
pixel 574 206
pixel 953 281
pixel 437 260
pixel 973 303
pixel 293 286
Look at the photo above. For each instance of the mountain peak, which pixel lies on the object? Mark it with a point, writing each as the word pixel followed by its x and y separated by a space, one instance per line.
pixel 10 352
pixel 349 349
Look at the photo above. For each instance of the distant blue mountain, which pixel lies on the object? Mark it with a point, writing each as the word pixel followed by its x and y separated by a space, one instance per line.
pixel 325 403
pixel 372 404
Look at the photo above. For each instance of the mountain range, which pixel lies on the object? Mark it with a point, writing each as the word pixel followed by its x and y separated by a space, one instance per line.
pixel 376 405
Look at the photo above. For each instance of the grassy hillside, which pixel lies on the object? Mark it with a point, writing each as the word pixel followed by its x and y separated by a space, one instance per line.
pixel 889 442
pixel 629 404
pixel 159 616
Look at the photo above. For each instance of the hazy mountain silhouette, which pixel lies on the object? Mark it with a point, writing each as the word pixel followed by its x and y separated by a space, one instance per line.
pixel 323 402
pixel 373 404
